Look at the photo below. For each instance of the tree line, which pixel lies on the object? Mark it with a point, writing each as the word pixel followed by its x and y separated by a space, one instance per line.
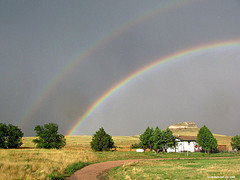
pixel 157 139
pixel 47 136
pixel 153 139
pixel 161 140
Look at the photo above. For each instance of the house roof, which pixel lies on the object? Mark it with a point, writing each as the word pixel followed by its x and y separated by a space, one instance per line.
pixel 187 138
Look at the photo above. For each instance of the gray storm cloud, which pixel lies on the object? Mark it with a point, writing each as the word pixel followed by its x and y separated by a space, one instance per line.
pixel 40 38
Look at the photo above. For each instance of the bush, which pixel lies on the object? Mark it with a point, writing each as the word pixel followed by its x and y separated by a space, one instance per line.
pixel 101 141
pixel 10 136
pixel 48 137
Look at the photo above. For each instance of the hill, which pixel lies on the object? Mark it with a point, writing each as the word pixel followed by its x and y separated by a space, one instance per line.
pixel 184 129
pixel 191 129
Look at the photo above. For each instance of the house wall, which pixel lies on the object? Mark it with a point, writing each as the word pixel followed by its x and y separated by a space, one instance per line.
pixel 183 146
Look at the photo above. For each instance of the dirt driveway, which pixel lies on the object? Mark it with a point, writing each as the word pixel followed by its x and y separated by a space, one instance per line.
pixel 98 170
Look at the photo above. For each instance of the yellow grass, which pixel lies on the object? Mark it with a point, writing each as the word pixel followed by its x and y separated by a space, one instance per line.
pixel 31 163
pixel 38 163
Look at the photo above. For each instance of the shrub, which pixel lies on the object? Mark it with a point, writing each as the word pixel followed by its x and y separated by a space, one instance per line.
pixel 48 137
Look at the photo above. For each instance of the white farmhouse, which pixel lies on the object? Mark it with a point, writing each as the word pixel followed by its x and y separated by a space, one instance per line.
pixel 185 143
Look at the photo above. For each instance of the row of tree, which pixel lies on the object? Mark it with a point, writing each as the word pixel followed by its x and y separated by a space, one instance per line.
pixel 157 139
pixel 161 140
pixel 154 139
pixel 47 136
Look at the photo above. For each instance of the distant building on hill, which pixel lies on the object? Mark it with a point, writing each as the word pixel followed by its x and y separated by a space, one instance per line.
pixel 185 143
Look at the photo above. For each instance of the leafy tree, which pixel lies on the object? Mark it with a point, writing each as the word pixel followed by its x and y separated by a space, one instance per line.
pixel 101 141
pixel 158 139
pixel 3 135
pixel 206 140
pixel 48 137
pixel 163 139
pixel 147 139
pixel 168 139
pixel 151 139
pixel 235 142
pixel 14 136
pixel 10 136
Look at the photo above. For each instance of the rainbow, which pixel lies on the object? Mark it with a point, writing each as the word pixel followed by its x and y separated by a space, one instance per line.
pixel 108 37
pixel 141 71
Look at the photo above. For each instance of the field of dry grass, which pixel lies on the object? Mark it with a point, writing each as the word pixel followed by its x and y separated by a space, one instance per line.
pixel 31 163
pixel 38 163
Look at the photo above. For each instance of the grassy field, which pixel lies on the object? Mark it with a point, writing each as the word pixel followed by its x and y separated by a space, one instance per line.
pixel 179 169
pixel 31 163
pixel 122 142
pixel 39 163
pixel 83 142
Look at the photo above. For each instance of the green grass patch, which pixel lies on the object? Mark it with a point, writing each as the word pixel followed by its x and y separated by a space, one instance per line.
pixel 178 169
pixel 69 170
pixel 115 155
pixel 74 167
pixel 192 155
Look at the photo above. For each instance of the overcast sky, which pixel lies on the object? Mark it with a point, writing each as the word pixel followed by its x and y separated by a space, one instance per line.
pixel 109 40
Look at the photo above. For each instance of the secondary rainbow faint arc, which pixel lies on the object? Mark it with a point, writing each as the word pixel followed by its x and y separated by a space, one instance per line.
pixel 142 70
pixel 43 93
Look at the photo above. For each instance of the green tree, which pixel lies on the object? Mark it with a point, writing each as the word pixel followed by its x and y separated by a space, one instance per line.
pixel 48 137
pixel 14 136
pixel 10 136
pixel 147 139
pixel 158 139
pixel 163 139
pixel 168 139
pixel 206 140
pixel 101 141
pixel 3 135
pixel 235 142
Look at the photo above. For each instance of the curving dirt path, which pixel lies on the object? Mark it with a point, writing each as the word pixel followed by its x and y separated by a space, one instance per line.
pixel 99 170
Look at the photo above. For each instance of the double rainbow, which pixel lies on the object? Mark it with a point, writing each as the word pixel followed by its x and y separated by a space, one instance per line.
pixel 163 7
pixel 141 71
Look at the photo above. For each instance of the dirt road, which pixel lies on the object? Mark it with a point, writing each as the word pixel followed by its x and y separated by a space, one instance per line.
pixel 98 170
